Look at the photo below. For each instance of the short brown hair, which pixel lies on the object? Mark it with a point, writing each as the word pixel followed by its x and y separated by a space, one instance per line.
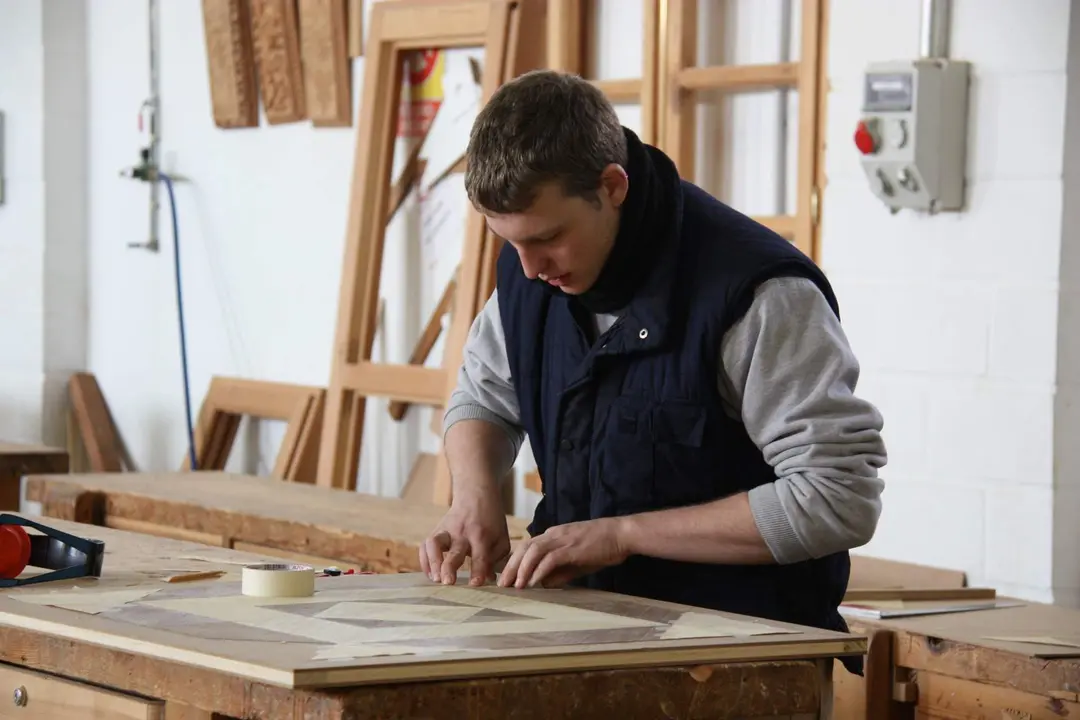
pixel 540 127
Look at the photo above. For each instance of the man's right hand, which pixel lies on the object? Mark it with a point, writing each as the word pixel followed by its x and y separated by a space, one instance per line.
pixel 474 527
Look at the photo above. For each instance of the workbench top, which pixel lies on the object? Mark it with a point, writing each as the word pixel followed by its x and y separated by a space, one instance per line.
pixel 133 631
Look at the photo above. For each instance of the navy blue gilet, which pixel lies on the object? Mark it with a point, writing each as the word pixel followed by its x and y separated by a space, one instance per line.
pixel 633 421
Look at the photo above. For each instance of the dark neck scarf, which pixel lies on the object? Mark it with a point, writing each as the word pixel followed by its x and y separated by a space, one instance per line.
pixel 644 223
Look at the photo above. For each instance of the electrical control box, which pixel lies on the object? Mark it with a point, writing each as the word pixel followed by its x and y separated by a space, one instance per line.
pixel 912 133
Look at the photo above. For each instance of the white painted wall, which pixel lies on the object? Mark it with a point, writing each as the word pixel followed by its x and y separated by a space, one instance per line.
pixel 22 221
pixel 966 324
pixel 955 317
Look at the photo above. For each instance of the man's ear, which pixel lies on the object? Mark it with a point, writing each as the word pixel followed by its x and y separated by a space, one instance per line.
pixel 615 183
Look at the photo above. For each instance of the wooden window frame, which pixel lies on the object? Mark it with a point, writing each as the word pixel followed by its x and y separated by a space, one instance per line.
pixel 682 79
pixel 396 28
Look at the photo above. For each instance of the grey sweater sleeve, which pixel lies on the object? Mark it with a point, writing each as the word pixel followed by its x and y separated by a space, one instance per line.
pixel 789 371
pixel 484 389
pixel 789 375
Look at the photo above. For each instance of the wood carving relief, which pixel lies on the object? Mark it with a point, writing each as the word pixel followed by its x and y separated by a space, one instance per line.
pixel 275 29
pixel 231 64
pixel 325 53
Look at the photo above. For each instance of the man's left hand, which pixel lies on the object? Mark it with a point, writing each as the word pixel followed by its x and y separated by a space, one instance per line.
pixel 565 552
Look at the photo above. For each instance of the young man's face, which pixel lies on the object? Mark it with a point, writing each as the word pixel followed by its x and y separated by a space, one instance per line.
pixel 564 240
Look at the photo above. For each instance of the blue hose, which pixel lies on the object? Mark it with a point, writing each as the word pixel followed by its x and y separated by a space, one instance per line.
pixel 180 313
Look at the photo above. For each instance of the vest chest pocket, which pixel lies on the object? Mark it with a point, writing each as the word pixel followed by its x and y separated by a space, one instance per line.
pixel 656 455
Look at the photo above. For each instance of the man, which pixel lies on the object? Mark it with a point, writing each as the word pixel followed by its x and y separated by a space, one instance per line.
pixel 679 370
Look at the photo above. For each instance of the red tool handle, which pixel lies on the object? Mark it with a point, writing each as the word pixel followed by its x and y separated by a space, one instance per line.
pixel 14 551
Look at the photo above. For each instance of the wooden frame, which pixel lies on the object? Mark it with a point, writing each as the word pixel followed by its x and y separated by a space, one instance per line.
pixel 682 79
pixel 571 25
pixel 229 399
pixel 396 28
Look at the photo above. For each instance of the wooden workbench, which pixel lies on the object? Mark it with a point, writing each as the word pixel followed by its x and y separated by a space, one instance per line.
pixel 299 521
pixel 17 460
pixel 129 644
pixel 954 665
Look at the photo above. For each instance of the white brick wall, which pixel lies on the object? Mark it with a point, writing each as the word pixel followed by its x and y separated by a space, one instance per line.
pixel 955 317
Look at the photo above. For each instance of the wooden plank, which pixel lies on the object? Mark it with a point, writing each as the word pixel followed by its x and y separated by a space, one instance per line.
pixel 878 573
pixel 327 67
pixel 649 91
pixel 276 36
pixel 356 28
pixel 621 90
pixel 94 421
pixel 371 532
pixel 209 625
pixel 678 104
pixel 811 74
pixel 231 63
pixel 781 224
pixel 740 78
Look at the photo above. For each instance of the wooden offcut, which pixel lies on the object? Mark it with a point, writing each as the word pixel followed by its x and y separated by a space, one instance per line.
pixel 228 400
pixel 93 425
pixel 397 28
pixel 230 59
pixel 327 68
pixel 275 31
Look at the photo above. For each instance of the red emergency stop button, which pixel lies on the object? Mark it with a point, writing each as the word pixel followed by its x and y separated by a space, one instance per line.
pixel 865 138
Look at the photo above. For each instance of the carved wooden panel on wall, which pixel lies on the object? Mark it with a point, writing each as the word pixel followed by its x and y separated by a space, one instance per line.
pixel 230 60
pixel 327 67
pixel 276 32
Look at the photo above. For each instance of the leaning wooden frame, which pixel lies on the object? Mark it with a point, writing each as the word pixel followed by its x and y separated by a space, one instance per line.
pixel 397 28
pixel 229 399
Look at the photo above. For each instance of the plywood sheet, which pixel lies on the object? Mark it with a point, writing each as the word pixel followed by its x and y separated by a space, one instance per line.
pixel 276 35
pixel 377 628
pixel 231 63
pixel 327 67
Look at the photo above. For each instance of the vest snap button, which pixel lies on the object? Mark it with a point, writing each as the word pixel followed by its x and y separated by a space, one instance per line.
pixel 643 334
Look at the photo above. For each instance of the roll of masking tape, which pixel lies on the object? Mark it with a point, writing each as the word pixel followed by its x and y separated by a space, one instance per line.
pixel 278 580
